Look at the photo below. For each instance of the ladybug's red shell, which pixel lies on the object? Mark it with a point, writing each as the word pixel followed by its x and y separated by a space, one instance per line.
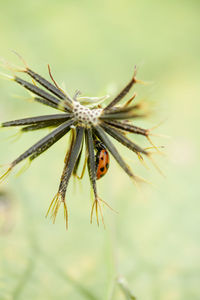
pixel 102 163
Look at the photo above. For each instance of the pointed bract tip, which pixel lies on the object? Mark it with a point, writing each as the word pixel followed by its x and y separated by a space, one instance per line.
pixel 5 174
pixel 65 215
pixel 157 168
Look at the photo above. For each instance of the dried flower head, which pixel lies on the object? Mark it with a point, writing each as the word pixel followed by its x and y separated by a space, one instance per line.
pixel 90 122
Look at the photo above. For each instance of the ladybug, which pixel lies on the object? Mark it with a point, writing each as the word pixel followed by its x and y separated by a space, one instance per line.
pixel 102 159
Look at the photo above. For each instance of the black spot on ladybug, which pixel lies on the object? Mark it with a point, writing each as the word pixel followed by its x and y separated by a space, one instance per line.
pixel 107 165
pixel 102 169
pixel 101 158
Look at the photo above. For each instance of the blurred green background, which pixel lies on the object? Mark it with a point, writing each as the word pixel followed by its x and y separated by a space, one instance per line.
pixel 152 244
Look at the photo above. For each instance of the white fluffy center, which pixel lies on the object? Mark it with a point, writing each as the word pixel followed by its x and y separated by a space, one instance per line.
pixel 86 115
